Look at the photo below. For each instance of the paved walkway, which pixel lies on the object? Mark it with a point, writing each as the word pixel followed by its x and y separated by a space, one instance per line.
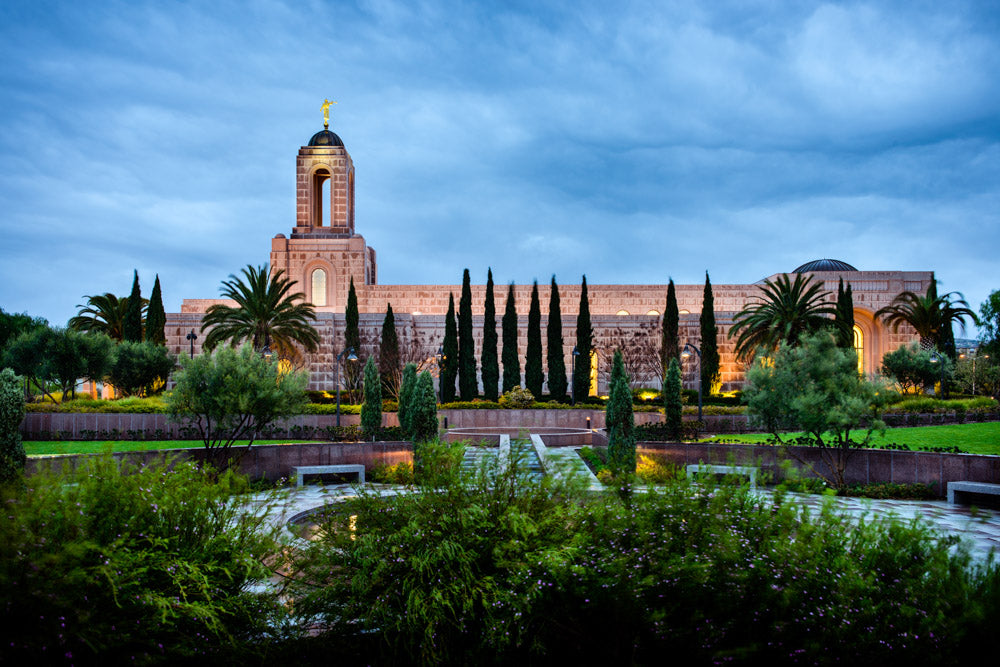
pixel 980 528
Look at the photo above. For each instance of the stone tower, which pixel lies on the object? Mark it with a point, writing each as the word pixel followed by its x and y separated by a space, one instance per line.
pixel 323 252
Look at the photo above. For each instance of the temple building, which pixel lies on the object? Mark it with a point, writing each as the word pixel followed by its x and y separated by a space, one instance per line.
pixel 323 252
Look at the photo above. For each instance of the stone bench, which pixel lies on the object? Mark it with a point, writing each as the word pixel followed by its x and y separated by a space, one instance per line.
pixel 345 468
pixel 961 492
pixel 748 471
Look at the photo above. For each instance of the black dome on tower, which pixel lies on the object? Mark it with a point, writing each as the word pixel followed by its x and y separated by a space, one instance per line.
pixel 824 265
pixel 326 138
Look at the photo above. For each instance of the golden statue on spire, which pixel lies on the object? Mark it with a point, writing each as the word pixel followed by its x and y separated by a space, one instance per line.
pixel 326 113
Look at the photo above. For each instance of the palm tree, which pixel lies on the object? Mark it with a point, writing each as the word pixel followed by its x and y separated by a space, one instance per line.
pixel 786 311
pixel 266 314
pixel 931 315
pixel 104 313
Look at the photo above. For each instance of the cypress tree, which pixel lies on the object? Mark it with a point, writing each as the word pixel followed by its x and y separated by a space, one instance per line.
pixel 584 347
pixel 845 316
pixel 490 366
pixel 156 318
pixel 132 324
pixel 710 360
pixel 352 340
pixel 467 385
pixel 449 364
pixel 509 354
pixel 619 421
pixel 670 347
pixel 423 417
pixel 371 409
pixel 672 403
pixel 555 361
pixel 407 388
pixel 534 378
pixel 388 355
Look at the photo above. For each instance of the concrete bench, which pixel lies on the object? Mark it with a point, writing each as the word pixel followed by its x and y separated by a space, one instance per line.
pixel 748 471
pixel 961 492
pixel 345 468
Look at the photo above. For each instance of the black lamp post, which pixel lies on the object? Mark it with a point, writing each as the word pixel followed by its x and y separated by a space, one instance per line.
pixel 685 353
pixel 938 359
pixel 192 337
pixel 440 359
pixel 572 375
pixel 350 357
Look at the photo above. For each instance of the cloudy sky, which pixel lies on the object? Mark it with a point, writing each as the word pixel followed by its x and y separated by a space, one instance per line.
pixel 631 141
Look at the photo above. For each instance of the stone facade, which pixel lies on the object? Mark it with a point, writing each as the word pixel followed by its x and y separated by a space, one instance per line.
pixel 323 254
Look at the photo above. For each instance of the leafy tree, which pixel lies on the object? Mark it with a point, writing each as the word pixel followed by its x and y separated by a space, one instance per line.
pixel 156 319
pixel 845 316
pixel 911 367
pixel 467 383
pixel 388 355
pixel 932 316
pixel 104 313
pixel 12 456
pixel 231 395
pixel 710 360
pixel 989 325
pixel 423 417
pixel 140 369
pixel 449 362
pixel 488 358
pixel 619 420
pixel 509 354
pixel 61 356
pixel 670 347
pixel 534 378
pixel 407 388
pixel 584 347
pixel 267 314
pixel 672 403
pixel 979 375
pixel 785 312
pixel 371 409
pixel 554 350
pixel 132 324
pixel 816 388
pixel 13 325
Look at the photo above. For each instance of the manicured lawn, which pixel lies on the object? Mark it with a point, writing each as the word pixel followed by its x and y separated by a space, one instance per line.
pixel 44 447
pixel 980 438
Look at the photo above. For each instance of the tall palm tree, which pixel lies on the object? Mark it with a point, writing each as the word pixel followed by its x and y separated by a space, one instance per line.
pixel 785 312
pixel 267 314
pixel 931 315
pixel 104 313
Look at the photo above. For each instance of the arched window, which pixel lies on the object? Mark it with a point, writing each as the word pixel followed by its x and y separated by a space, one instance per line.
pixel 654 312
pixel 320 191
pixel 859 347
pixel 622 313
pixel 319 287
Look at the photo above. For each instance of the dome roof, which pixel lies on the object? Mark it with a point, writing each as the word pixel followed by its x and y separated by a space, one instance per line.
pixel 824 265
pixel 325 138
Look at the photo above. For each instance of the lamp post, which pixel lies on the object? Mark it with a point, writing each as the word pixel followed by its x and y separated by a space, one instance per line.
pixel 192 337
pixel 350 357
pixel 938 359
pixel 440 359
pixel 685 353
pixel 572 376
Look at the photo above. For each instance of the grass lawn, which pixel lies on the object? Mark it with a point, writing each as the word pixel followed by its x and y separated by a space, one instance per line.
pixel 46 447
pixel 979 438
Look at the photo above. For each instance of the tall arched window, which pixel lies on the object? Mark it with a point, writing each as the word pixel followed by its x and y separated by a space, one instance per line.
pixel 859 347
pixel 319 287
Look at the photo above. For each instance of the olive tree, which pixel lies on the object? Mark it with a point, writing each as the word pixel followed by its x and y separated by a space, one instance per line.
pixel 816 388
pixel 232 395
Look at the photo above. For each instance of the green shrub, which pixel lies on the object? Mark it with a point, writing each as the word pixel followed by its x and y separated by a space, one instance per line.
pixel 12 456
pixel 398 473
pixel 517 398
pixel 117 564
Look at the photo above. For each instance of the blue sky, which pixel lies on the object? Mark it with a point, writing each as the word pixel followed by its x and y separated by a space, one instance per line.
pixel 631 141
